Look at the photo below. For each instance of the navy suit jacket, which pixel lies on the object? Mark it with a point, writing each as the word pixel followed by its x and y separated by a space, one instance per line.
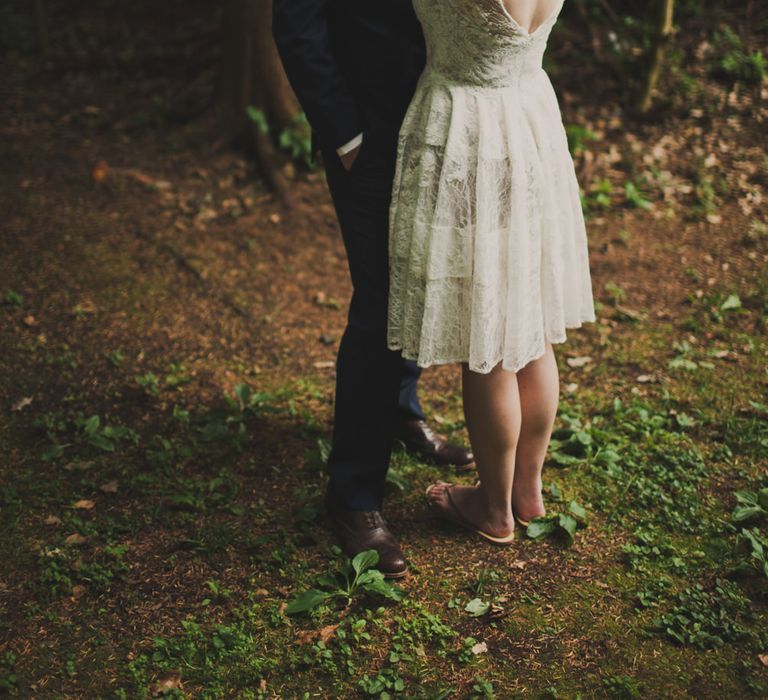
pixel 353 65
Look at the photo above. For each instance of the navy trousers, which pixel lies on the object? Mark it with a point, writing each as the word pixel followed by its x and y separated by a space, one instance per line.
pixel 374 386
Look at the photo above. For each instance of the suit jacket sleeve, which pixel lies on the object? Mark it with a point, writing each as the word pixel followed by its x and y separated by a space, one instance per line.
pixel 300 29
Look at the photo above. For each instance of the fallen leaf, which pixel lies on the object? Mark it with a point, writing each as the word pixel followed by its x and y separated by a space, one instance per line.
pixel 77 591
pixel 80 466
pixel 305 636
pixel 75 538
pixel 100 171
pixel 327 632
pixel 169 681
pixel 324 364
pixel 518 564
pixel 52 520
pixel 30 320
pixel 578 361
pixel 571 388
pixel 84 504
pixel 763 659
pixel 109 487
pixel 480 648
pixel 645 378
pixel 21 403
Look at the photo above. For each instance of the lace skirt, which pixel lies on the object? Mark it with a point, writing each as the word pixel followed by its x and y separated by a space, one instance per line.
pixel 487 243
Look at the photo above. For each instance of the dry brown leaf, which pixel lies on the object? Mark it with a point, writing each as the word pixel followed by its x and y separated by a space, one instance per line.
pixel 327 632
pixel 84 504
pixel 166 682
pixel 52 520
pixel 763 659
pixel 109 487
pixel 324 364
pixel 21 403
pixel 100 171
pixel 305 636
pixel 74 539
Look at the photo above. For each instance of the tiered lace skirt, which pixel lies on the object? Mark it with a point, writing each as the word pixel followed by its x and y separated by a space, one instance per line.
pixel 487 246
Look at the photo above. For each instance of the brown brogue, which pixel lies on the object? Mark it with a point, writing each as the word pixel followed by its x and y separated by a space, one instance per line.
pixel 419 437
pixel 358 530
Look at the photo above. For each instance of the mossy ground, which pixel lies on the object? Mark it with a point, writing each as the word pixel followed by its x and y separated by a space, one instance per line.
pixel 153 549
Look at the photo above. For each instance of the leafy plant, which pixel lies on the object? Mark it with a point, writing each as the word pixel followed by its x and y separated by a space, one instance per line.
pixel 708 619
pixel 635 197
pixel 752 505
pixel 12 298
pixel 354 577
pixel 559 524
pixel 734 62
pixel 754 546
pixel 149 383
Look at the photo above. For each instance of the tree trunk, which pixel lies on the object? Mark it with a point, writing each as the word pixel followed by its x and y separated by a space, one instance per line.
pixel 251 75
pixel 663 38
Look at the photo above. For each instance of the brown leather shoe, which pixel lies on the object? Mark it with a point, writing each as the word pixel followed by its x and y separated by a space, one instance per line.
pixel 359 530
pixel 419 437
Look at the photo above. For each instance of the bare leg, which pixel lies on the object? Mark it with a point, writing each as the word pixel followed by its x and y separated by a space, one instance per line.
pixel 539 388
pixel 492 412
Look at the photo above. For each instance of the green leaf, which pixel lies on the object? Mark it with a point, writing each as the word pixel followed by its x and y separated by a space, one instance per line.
pixel 747 497
pixel 91 425
pixel 742 513
pixel 477 607
pixel 306 601
pixel 577 511
pixel 365 560
pixel 568 524
pixel 102 442
pixel 732 302
pixel 13 298
pixel 369 576
pixel 540 527
pixel 258 117
pixel 762 498
pixel 381 587
pixel 53 452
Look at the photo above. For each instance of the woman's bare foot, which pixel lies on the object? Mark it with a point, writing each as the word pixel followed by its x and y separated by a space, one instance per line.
pixel 472 504
pixel 527 501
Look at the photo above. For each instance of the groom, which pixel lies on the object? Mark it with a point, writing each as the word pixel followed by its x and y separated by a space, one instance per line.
pixel 354 65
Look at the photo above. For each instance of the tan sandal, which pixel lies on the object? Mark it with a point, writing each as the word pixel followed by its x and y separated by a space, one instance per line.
pixel 460 520
pixel 522 522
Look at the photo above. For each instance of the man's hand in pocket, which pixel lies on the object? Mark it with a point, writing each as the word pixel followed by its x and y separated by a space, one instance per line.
pixel 348 159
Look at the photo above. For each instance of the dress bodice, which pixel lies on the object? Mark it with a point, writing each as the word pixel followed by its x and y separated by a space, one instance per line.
pixel 477 42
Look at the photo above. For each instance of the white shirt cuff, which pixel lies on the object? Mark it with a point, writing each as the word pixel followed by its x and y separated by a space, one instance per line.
pixel 350 145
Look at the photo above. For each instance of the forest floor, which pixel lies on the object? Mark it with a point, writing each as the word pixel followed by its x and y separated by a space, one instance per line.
pixel 168 336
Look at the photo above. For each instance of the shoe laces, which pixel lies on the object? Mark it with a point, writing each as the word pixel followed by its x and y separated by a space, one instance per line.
pixel 428 431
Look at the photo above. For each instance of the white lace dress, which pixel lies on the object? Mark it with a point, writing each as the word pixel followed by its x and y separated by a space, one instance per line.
pixel 487 243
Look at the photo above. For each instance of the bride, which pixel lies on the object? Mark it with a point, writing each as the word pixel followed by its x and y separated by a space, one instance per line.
pixel 487 245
